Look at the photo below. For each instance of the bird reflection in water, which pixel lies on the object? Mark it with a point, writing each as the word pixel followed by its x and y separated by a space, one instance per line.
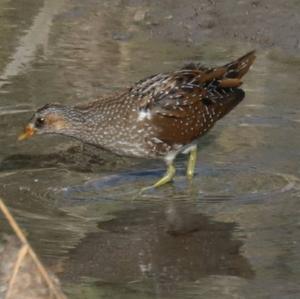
pixel 161 245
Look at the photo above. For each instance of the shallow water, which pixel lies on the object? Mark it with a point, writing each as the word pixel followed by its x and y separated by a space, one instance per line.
pixel 231 233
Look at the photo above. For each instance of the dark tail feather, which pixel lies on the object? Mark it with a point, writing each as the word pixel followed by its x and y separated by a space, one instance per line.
pixel 231 80
pixel 233 99
pixel 238 68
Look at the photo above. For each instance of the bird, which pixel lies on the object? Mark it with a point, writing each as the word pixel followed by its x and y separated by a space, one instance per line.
pixel 158 117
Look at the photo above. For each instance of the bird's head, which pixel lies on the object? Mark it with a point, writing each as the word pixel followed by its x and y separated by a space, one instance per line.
pixel 50 119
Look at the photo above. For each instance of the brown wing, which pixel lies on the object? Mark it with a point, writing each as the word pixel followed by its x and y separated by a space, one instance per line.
pixel 186 103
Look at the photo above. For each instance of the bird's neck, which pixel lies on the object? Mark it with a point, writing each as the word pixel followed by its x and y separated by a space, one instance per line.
pixel 85 125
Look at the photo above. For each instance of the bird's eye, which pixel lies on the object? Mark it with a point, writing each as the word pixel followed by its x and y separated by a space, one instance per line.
pixel 39 122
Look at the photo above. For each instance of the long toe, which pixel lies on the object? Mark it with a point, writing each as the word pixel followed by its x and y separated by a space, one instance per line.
pixel 168 177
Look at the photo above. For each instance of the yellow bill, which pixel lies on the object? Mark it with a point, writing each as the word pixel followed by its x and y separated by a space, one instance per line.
pixel 28 132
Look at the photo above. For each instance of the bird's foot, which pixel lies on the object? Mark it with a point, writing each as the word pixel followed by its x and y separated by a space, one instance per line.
pixel 164 180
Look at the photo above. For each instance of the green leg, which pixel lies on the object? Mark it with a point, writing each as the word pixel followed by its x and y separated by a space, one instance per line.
pixel 192 163
pixel 165 179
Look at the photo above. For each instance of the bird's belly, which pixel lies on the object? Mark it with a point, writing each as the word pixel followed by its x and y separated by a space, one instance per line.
pixel 122 144
pixel 129 149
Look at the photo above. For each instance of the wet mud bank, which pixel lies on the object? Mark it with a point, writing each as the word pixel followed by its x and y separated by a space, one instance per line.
pixel 263 23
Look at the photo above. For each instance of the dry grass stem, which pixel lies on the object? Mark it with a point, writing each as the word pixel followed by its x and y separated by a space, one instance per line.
pixel 22 253
pixel 26 249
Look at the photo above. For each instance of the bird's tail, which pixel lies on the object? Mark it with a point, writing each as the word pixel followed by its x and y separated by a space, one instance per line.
pixel 229 81
pixel 238 68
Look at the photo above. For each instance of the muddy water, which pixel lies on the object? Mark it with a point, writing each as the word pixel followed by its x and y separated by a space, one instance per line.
pixel 232 233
